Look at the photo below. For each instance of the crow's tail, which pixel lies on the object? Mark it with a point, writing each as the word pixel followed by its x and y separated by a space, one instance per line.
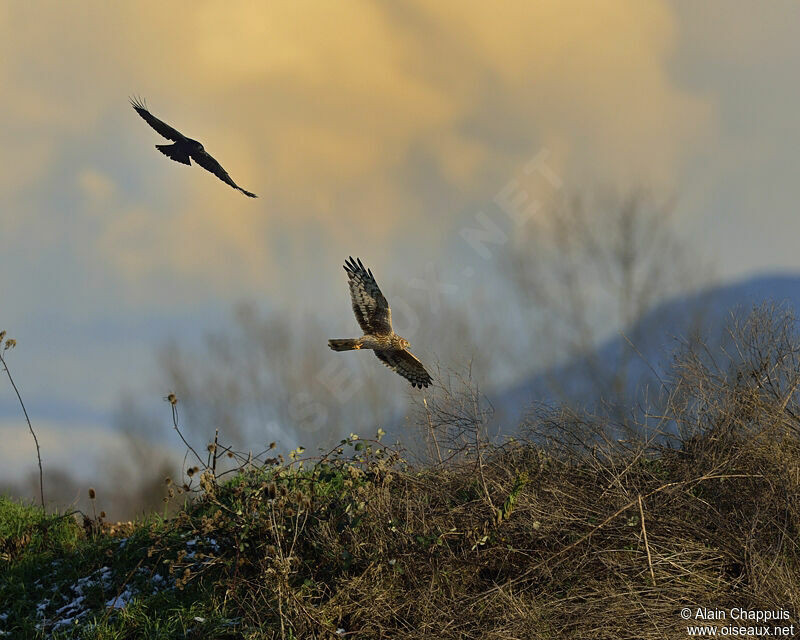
pixel 175 151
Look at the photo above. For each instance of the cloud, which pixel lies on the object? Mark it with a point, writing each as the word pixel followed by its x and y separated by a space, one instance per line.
pixel 327 111
pixel 64 445
pixel 97 187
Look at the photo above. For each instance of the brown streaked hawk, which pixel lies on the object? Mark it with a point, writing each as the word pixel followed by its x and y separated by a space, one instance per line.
pixel 375 317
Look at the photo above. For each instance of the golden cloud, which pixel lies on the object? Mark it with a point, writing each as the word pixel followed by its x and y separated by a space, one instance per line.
pixel 353 118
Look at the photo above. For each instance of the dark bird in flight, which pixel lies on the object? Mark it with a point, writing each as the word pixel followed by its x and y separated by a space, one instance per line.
pixel 184 148
pixel 375 317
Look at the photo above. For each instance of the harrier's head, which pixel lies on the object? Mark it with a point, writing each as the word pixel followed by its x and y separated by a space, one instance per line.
pixel 404 344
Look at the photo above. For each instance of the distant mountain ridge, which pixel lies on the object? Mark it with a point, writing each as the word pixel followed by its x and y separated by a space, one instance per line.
pixel 707 313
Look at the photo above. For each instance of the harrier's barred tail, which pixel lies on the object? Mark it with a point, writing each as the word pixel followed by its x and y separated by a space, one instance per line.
pixel 346 344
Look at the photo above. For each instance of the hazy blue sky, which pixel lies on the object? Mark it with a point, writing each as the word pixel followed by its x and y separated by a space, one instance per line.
pixel 372 129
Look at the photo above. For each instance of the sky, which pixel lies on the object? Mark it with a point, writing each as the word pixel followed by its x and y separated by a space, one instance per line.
pixel 392 131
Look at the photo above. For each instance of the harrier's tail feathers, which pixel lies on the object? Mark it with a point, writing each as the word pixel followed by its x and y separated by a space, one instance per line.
pixel 175 151
pixel 347 344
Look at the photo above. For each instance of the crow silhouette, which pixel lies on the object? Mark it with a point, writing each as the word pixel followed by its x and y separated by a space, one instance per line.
pixel 184 148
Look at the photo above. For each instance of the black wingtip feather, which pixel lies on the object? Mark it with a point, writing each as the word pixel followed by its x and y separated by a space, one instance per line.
pixel 351 266
pixel 138 103
pixel 354 265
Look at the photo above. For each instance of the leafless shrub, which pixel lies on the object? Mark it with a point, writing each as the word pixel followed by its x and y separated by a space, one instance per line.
pixel 569 531
pixel 594 264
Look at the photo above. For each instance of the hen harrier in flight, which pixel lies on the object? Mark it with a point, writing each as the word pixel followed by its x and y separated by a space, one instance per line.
pixel 375 317
pixel 185 148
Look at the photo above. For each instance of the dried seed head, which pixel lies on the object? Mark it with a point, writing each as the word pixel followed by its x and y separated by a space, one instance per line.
pixel 92 494
pixel 102 514
pixel 172 399
pixel 10 344
pixel 272 445
pixel 2 335
pixel 168 481
pixel 211 447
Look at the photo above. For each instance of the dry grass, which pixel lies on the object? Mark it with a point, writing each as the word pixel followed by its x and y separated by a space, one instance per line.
pixel 568 532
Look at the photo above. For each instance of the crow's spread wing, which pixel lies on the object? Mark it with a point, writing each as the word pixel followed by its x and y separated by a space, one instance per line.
pixel 404 363
pixel 205 160
pixel 162 127
pixel 371 309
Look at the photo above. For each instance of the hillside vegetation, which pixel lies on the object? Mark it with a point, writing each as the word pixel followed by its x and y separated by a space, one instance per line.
pixel 578 528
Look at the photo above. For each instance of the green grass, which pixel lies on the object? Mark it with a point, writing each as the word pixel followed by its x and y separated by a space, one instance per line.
pixel 50 562
pixel 24 530
pixel 59 578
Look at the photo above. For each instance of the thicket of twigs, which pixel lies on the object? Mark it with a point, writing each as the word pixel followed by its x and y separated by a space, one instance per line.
pixel 567 531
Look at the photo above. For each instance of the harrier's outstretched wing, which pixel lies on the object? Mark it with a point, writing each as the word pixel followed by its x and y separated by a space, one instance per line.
pixel 371 309
pixel 205 160
pixel 162 127
pixel 404 363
